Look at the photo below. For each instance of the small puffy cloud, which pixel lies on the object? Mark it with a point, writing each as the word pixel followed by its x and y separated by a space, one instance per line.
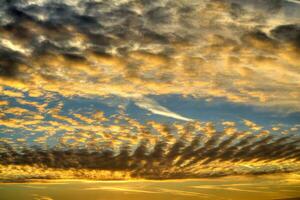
pixel 68 144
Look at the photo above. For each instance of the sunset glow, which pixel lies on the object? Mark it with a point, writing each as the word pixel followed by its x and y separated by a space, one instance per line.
pixel 201 96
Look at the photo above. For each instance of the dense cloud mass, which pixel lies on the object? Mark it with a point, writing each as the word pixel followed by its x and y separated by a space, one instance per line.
pixel 245 52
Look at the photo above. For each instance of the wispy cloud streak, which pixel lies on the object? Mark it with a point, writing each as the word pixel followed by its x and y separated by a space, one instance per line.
pixel 155 108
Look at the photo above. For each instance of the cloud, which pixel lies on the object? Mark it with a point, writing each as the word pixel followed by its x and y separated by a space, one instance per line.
pixel 144 48
pixel 181 192
pixel 294 1
pixel 154 107
pixel 246 52
pixel 122 189
pixel 39 197
pixel 288 33
pixel 126 148
pixel 238 188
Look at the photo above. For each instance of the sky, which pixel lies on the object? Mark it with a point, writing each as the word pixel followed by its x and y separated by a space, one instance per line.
pixel 137 89
pixel 225 188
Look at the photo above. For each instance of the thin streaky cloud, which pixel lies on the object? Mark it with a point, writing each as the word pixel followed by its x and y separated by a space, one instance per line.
pixel 293 1
pixel 152 106
pixel 122 189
